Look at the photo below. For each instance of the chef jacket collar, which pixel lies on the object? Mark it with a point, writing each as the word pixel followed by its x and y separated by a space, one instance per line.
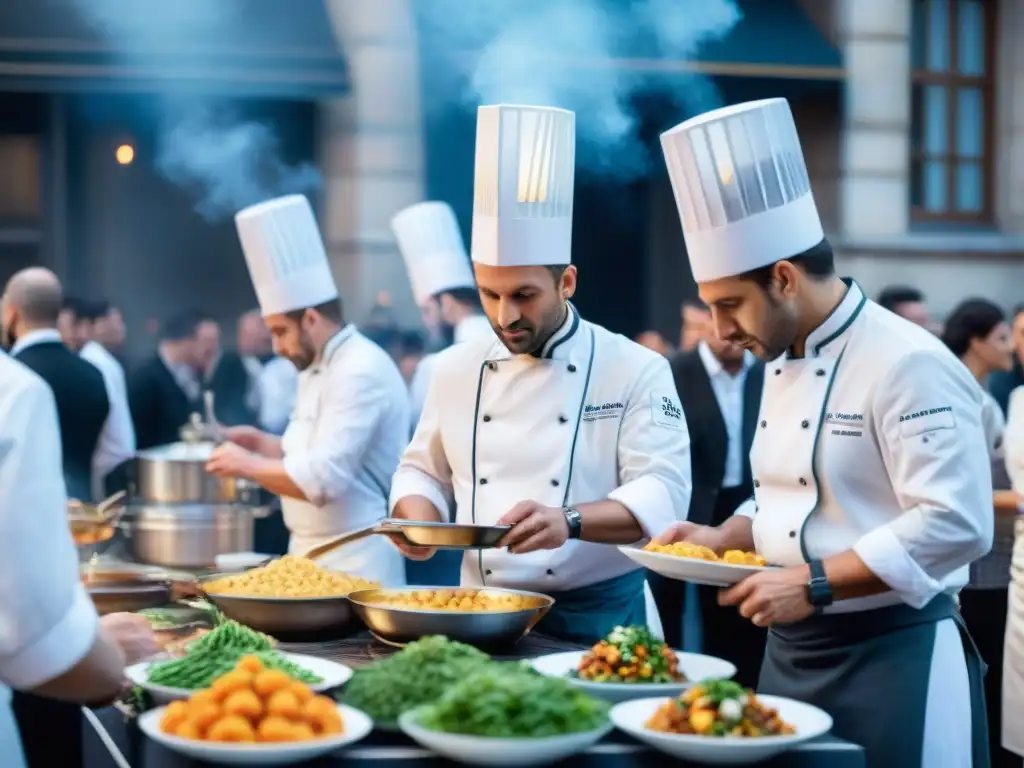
pixel 559 347
pixel 333 345
pixel 833 331
pixel 38 336
pixel 714 366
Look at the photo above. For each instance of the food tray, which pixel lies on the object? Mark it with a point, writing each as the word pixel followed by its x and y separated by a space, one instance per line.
pixel 708 572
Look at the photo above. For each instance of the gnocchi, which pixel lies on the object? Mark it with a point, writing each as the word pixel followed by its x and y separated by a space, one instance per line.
pixel 288 577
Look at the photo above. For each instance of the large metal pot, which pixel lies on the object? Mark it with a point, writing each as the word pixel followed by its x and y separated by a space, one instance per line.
pixel 189 535
pixel 176 474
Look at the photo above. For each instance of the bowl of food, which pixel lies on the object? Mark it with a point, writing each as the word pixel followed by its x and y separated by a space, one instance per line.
pixel 684 561
pixel 289 598
pixel 117 591
pixel 718 722
pixel 499 715
pixel 485 617
pixel 255 716
pixel 630 664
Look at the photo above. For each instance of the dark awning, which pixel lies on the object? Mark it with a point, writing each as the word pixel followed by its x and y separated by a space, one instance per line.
pixel 273 48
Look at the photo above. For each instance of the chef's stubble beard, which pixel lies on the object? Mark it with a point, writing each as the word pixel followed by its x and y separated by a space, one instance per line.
pixel 307 355
pixel 781 325
pixel 539 335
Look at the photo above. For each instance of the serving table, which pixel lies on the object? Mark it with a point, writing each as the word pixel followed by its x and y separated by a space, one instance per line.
pixel 387 749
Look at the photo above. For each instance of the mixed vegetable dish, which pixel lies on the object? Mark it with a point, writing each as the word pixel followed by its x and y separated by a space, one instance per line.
pixel 630 655
pixel 718 708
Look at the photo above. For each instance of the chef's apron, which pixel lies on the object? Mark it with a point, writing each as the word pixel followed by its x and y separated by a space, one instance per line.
pixel 588 614
pixel 373 558
pixel 846 662
pixel 1013 653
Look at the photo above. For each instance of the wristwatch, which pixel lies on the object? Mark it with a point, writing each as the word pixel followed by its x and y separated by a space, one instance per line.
pixel 574 520
pixel 819 591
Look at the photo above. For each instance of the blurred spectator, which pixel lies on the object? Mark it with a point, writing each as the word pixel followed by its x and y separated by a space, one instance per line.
pixel 655 342
pixel 411 349
pixel 225 375
pixel 381 325
pixel 109 330
pixel 696 324
pixel 908 303
pixel 274 381
pixel 1003 383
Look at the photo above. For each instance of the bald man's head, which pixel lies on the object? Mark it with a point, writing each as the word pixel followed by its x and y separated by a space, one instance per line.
pixel 35 295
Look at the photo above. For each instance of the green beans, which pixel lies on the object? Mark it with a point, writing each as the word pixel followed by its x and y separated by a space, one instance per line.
pixel 217 653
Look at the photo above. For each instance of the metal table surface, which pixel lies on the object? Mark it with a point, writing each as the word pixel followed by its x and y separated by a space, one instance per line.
pixel 385 749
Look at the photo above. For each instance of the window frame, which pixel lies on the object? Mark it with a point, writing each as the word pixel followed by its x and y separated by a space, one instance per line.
pixel 952 80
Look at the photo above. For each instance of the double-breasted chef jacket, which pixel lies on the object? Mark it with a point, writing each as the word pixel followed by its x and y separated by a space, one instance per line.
pixel 874 441
pixel 341 447
pixel 594 416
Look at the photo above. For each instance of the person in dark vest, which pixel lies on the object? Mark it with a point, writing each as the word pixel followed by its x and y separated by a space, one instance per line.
pixel 719 385
pixel 165 391
pixel 32 303
pixel 223 373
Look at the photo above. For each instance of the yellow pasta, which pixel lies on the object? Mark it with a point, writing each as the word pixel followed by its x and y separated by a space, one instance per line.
pixel 289 577
pixel 465 600
pixel 698 552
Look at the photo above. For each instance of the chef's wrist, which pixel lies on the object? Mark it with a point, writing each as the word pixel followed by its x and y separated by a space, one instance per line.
pixel 736 533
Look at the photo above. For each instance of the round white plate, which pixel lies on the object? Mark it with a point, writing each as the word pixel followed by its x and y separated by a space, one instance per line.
pixel 691 569
pixel 331 673
pixel 483 750
pixel 696 667
pixel 357 726
pixel 809 722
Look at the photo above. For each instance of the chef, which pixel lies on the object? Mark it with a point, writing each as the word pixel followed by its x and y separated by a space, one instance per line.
pixel 1012 727
pixel 333 466
pixel 568 433
pixel 440 273
pixel 872 483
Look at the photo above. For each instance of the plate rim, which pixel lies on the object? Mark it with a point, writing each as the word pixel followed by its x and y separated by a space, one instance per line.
pixel 714 564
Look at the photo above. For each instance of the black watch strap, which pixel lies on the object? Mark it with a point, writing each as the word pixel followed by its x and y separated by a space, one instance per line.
pixel 819 591
pixel 574 520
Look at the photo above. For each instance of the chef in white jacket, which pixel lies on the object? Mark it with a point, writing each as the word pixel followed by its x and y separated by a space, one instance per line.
pixel 440 274
pixel 333 466
pixel 1013 651
pixel 872 483
pixel 557 427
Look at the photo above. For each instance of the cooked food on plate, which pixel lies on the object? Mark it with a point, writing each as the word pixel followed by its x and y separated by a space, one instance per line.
pixel 507 701
pixel 218 652
pixel 418 674
pixel 468 600
pixel 91 534
pixel 698 552
pixel 252 703
pixel 289 577
pixel 718 708
pixel 630 655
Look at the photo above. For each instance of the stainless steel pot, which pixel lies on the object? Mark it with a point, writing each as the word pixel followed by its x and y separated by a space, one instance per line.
pixel 176 474
pixel 189 535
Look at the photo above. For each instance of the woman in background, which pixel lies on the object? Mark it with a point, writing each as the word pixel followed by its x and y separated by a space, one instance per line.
pixel 978 334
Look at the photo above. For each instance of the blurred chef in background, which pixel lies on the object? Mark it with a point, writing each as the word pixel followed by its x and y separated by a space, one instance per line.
pixel 568 433
pixel 333 466
pixel 275 381
pixel 225 375
pixel 439 271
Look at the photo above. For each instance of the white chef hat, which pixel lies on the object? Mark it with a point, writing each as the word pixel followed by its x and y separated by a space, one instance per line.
pixel 523 186
pixel 285 255
pixel 741 187
pixel 430 241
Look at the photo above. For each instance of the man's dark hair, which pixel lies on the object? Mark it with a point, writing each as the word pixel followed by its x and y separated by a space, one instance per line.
pixel 1018 311
pixel 895 295
pixel 972 319
pixel 331 310
pixel 411 343
pixel 557 270
pixel 91 311
pixel 468 297
pixel 817 262
pixel 180 326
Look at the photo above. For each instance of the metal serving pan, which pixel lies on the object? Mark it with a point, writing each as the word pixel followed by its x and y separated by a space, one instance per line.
pixel 436 535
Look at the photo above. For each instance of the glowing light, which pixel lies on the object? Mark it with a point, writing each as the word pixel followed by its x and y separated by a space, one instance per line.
pixel 125 154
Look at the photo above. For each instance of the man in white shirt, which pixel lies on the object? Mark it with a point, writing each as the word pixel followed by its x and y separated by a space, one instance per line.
pixel 275 381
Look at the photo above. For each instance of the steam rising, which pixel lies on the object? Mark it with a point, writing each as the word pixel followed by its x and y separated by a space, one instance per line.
pixel 203 147
pixel 556 53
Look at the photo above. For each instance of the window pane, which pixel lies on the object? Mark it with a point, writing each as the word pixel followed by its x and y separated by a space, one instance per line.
pixel 970 122
pixel 936 113
pixel 938 35
pixel 970 195
pixel 919 34
pixel 970 44
pixel 916 183
pixel 934 183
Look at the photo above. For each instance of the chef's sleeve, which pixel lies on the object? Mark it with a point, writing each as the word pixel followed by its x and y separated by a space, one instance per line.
pixel 47 621
pixel 1014 440
pixel 353 406
pixel 654 452
pixel 424 469
pixel 928 419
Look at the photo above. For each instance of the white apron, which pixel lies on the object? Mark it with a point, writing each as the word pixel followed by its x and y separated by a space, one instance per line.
pixel 1013 653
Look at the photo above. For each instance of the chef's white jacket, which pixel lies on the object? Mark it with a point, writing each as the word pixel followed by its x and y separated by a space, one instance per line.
pixel 593 417
pixel 47 621
pixel 342 445
pixel 474 325
pixel 874 440
pixel 121 446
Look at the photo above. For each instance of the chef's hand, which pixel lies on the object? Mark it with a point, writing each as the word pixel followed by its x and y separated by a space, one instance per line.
pixel 701 535
pixel 133 635
pixel 247 437
pixel 230 460
pixel 775 596
pixel 411 551
pixel 534 527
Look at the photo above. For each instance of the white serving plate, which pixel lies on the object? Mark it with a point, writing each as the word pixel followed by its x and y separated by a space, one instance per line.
pixel 484 750
pixel 332 673
pixel 357 726
pixel 696 667
pixel 691 569
pixel 809 722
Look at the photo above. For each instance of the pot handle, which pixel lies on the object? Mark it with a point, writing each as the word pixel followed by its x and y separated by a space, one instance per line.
pixel 340 541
